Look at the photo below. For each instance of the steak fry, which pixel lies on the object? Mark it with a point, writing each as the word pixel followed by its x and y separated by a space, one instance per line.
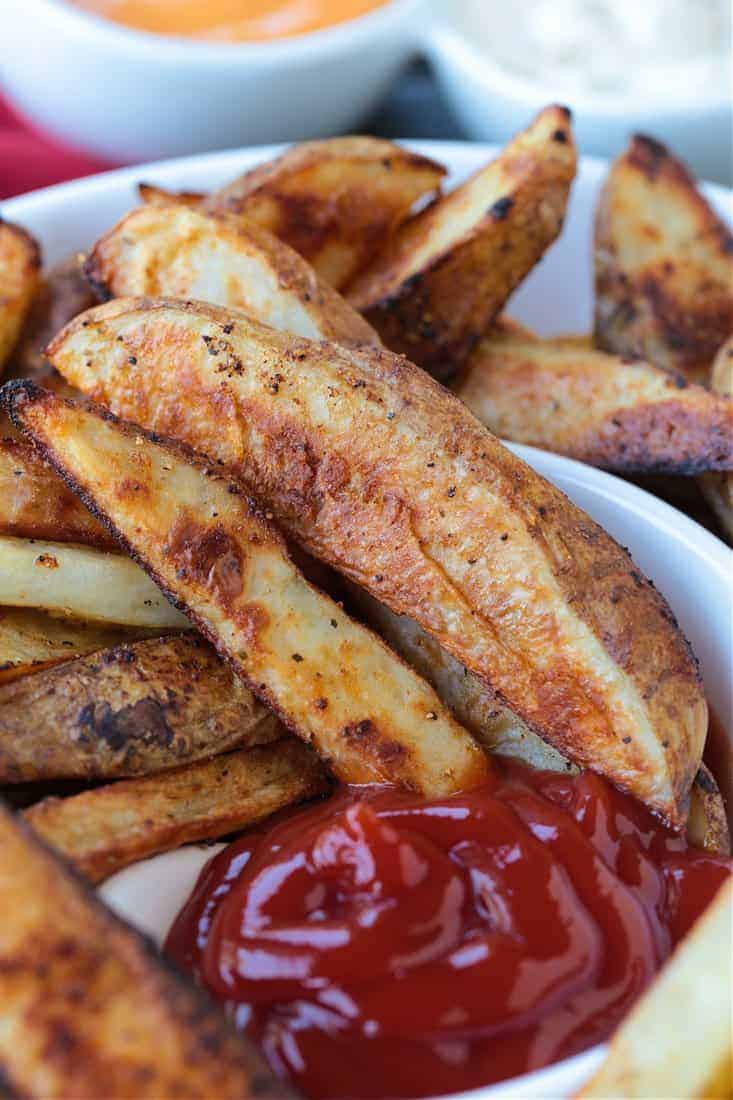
pixel 20 264
pixel 377 470
pixel 622 415
pixel 132 710
pixel 436 288
pixel 664 264
pixel 718 488
pixel 89 1009
pixel 104 830
pixel 331 680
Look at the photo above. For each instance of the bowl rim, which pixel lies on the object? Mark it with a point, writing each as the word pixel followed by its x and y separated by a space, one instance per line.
pixel 170 48
pixel 449 45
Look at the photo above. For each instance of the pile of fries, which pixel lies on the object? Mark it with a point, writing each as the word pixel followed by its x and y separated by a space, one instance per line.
pixel 272 548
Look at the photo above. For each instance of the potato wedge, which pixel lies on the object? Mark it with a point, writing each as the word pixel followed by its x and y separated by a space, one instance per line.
pixel 176 252
pixel 134 709
pixel 434 291
pixel 90 1010
pixel 336 202
pixel 101 831
pixel 718 488
pixel 62 294
pixel 83 583
pixel 664 264
pixel 20 264
pixel 377 470
pixel 35 503
pixel 627 416
pixel 331 680
pixel 678 1040
pixel 503 733
pixel 32 640
pixel 152 194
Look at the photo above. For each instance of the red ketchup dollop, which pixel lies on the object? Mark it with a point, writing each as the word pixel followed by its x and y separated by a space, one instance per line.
pixel 377 945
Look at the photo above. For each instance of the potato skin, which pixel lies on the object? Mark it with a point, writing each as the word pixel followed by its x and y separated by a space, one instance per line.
pixel 623 415
pixel 336 202
pixel 101 831
pixel 134 709
pixel 139 1029
pixel 379 471
pixel 20 264
pixel 433 292
pixel 663 262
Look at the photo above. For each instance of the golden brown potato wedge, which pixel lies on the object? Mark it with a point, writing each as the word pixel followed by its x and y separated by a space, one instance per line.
pixel 90 1010
pixel 664 264
pixel 63 293
pixel 82 583
pixel 331 680
pixel 134 709
pixel 434 291
pixel 175 252
pixel 336 202
pixel 20 264
pixel 152 194
pixel 32 640
pixel 622 415
pixel 718 488
pixel 377 470
pixel 707 825
pixel 101 831
pixel 678 1040
pixel 35 503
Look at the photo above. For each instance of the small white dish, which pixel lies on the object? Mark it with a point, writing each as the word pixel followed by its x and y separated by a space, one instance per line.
pixel 127 95
pixel 493 104
pixel 691 567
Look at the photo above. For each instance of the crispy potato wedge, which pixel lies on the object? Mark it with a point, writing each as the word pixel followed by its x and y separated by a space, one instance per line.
pixel 678 1039
pixel 35 504
pixel 336 202
pixel 380 472
pixel 81 582
pixel 101 831
pixel 664 264
pixel 90 1010
pixel 20 264
pixel 503 733
pixel 630 417
pixel 152 194
pixel 134 709
pixel 718 488
pixel 176 252
pixel 32 640
pixel 331 680
pixel 62 294
pixel 434 291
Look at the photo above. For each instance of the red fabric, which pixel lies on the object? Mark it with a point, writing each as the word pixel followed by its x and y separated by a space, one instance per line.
pixel 30 159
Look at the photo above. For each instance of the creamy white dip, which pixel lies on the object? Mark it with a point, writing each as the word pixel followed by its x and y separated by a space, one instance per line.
pixel 634 48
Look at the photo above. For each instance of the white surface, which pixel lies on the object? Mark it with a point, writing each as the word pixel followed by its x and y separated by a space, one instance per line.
pixel 493 104
pixel 690 566
pixel 130 96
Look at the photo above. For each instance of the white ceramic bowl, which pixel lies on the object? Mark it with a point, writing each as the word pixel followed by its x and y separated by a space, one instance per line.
pixel 129 96
pixel 493 104
pixel 689 565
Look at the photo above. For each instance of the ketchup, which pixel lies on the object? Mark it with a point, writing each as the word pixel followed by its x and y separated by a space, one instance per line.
pixel 377 945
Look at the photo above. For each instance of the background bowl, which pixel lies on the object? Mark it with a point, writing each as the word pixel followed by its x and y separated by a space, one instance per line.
pixel 688 564
pixel 126 95
pixel 492 105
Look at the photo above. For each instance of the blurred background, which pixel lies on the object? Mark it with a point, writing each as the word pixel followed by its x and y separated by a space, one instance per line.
pixel 87 85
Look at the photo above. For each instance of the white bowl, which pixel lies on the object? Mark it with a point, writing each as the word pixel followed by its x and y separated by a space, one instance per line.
pixel 691 567
pixel 128 95
pixel 493 104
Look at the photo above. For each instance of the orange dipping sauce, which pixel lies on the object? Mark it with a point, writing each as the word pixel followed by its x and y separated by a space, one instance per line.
pixel 230 20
